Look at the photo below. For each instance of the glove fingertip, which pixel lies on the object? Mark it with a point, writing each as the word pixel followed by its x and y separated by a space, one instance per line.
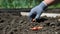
pixel 37 17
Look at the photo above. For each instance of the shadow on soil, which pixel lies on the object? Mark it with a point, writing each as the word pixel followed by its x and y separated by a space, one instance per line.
pixel 41 20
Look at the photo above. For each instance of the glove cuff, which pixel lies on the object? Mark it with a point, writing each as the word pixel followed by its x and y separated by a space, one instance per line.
pixel 43 5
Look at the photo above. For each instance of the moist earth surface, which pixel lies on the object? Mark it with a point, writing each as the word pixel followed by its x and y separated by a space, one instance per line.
pixel 14 24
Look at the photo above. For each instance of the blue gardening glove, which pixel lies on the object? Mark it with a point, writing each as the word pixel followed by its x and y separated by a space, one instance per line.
pixel 37 11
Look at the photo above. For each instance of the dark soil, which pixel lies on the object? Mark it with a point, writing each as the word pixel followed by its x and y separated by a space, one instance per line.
pixel 13 24
pixel 18 10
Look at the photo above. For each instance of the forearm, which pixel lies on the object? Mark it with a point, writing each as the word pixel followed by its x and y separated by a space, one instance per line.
pixel 49 2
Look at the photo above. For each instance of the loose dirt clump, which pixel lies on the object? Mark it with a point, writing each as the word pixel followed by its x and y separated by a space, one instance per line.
pixel 13 24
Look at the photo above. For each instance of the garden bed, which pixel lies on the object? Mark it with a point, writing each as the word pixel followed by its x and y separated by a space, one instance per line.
pixel 14 24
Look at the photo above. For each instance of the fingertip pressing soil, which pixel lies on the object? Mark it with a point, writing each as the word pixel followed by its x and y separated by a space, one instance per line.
pixel 13 24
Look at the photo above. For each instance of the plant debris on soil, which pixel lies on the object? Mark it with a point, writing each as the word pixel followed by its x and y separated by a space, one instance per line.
pixel 13 24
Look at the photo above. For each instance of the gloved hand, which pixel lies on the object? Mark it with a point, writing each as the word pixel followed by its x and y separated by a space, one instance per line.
pixel 37 11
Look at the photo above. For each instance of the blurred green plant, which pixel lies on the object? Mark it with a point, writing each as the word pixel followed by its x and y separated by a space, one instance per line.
pixel 23 4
